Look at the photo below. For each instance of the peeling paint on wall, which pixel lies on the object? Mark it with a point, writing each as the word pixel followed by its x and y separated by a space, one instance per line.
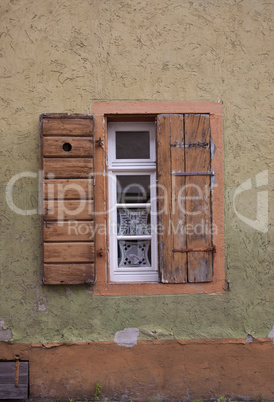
pixel 249 339
pixel 128 337
pixel 5 334
pixel 271 334
pixel 42 307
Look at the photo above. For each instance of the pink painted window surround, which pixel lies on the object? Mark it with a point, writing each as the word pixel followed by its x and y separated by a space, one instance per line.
pixel 163 112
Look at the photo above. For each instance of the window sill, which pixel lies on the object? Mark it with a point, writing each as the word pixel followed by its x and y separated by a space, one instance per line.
pixel 155 288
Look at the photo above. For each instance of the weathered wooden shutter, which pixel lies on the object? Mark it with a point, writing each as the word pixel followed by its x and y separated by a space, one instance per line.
pixel 67 147
pixel 184 198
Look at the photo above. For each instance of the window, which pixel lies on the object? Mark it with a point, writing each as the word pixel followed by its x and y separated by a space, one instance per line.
pixel 132 202
pixel 189 185
pixel 141 206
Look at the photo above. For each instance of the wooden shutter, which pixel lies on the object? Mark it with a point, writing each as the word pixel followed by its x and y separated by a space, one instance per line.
pixel 184 198
pixel 67 148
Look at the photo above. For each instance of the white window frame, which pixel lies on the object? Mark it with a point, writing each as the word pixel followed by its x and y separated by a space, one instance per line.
pixel 134 167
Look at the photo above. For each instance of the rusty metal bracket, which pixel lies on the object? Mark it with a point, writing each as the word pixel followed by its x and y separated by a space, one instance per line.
pixel 194 250
pixel 193 174
pixel 46 218
pixel 99 143
pixel 47 224
pixel 17 367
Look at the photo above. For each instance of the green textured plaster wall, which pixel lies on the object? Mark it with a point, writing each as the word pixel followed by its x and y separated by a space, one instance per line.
pixel 61 56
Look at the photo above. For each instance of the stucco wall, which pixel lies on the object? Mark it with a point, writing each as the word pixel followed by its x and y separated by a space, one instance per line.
pixel 61 56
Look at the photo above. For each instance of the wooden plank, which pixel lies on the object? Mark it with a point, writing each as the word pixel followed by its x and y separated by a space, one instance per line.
pixel 8 390
pixel 198 197
pixel 41 184
pixel 69 231
pixel 164 198
pixel 68 252
pixel 68 274
pixel 68 189
pixel 197 129
pixel 173 266
pixel 67 126
pixel 60 210
pixel 179 260
pixel 68 147
pixel 59 168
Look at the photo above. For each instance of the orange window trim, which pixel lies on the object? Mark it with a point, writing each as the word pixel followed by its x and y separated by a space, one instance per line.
pixel 103 111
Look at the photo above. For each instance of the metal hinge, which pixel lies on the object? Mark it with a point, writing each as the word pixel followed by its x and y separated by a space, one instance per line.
pixel 194 250
pixel 193 174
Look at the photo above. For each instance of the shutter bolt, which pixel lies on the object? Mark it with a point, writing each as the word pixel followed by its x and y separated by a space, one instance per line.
pixel 100 252
pixel 99 143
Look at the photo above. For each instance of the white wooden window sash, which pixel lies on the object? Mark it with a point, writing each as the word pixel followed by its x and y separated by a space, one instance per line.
pixel 134 167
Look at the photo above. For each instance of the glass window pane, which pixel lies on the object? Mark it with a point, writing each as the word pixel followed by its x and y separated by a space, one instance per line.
pixel 132 145
pixel 133 189
pixel 133 222
pixel 134 253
